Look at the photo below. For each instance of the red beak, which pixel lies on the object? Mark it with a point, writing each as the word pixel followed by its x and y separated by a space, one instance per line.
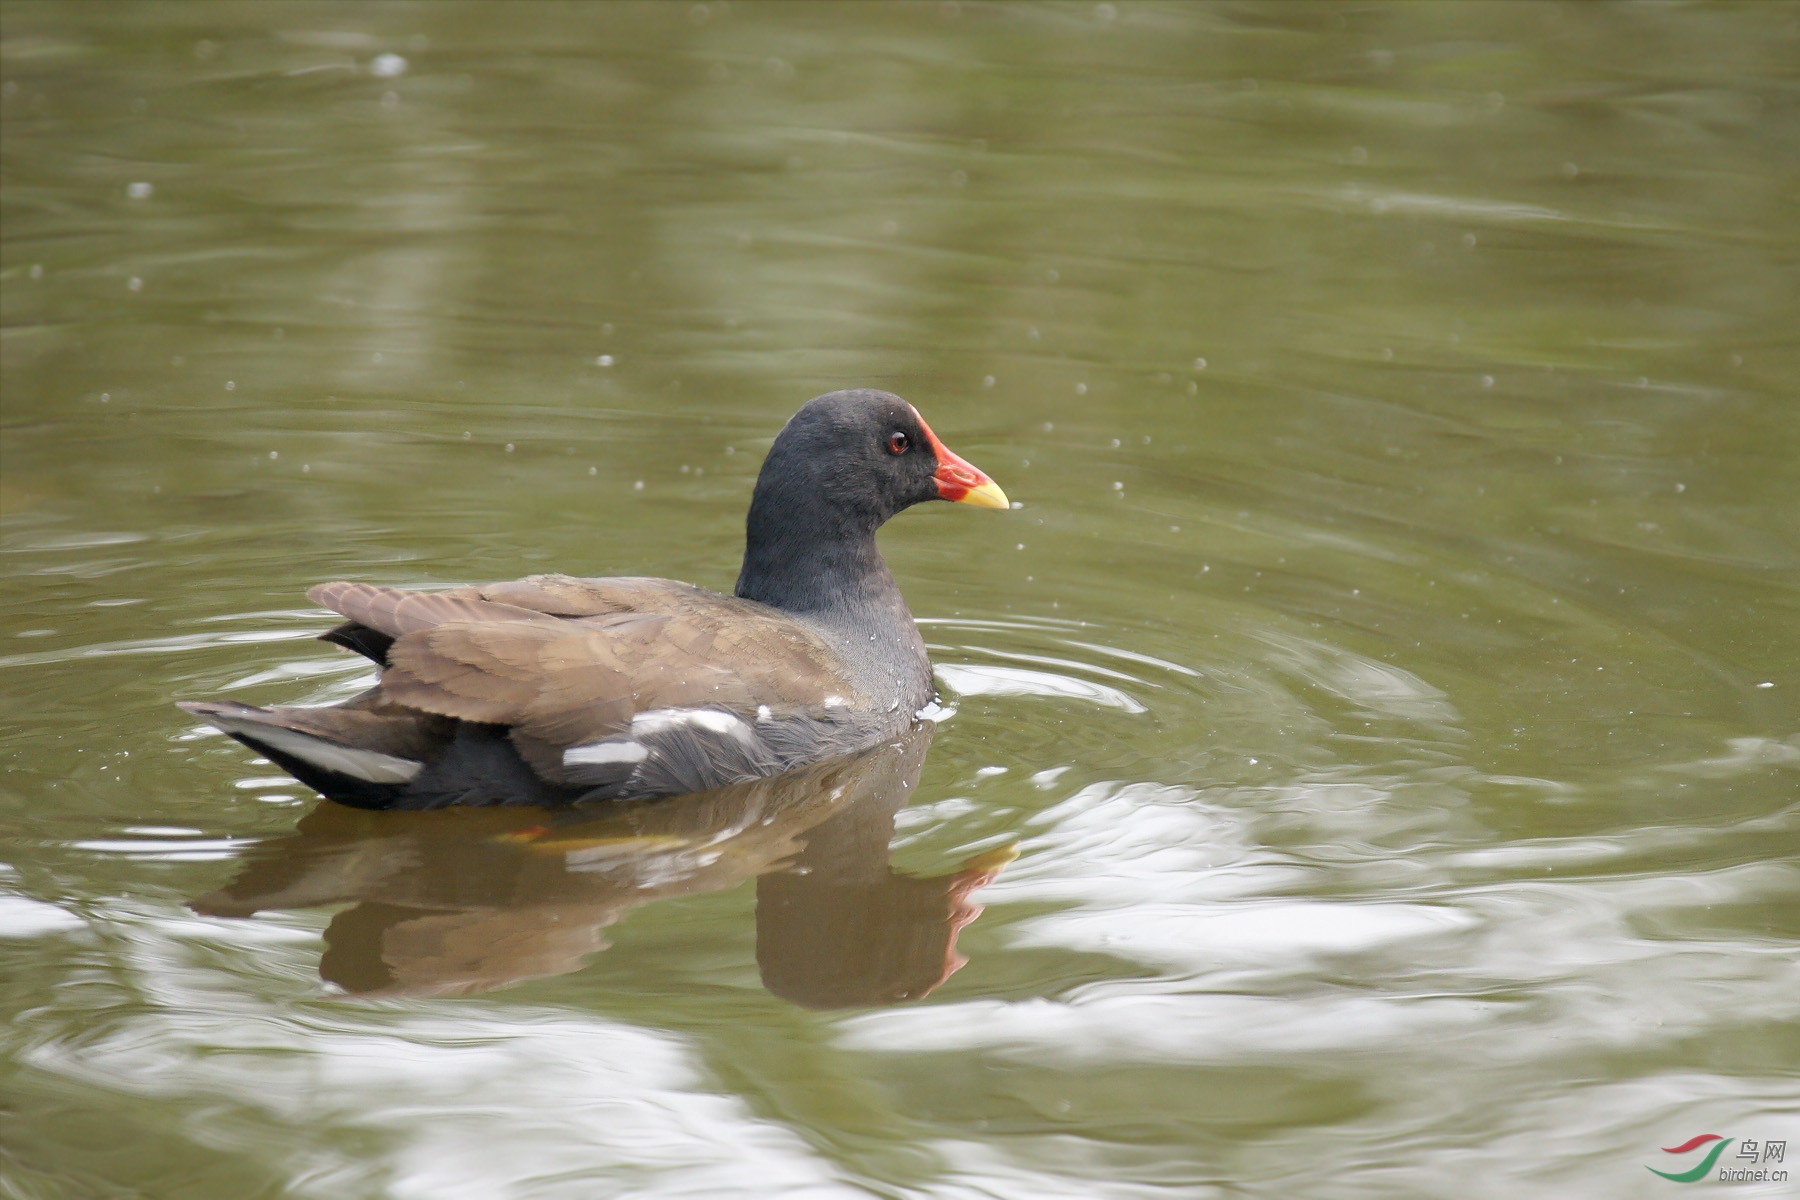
pixel 960 480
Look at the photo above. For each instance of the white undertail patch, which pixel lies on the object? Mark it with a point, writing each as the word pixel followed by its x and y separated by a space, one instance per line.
pixel 371 766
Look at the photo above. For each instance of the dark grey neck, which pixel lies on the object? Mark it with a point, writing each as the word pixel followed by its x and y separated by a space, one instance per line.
pixel 809 543
pixel 813 574
pixel 832 577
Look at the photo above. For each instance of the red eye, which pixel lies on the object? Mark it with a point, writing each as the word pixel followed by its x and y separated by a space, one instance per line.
pixel 899 443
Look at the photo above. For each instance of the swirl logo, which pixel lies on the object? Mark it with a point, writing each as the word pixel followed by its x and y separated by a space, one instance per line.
pixel 1706 1164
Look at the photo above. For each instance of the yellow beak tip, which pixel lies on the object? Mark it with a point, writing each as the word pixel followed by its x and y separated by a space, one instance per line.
pixel 988 495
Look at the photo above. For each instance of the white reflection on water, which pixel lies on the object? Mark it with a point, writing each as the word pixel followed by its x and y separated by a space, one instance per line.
pixel 984 680
pixel 1745 754
pixel 170 850
pixel 1419 964
pixel 1144 1027
pixel 1380 688
pixel 474 1101
pixel 179 644
pixel 1241 934
pixel 1459 207
pixel 24 918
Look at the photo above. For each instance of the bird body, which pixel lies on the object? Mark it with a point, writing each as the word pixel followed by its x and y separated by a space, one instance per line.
pixel 552 689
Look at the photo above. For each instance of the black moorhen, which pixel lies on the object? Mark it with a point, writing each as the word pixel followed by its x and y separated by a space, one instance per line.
pixel 552 689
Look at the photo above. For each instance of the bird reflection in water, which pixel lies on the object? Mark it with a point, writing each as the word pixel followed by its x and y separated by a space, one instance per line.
pixel 465 900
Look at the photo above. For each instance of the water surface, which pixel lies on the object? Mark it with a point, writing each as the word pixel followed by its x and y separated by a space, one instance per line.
pixel 1369 759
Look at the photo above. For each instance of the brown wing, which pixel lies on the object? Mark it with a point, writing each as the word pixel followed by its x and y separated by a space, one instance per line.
pixel 563 662
pixel 566 596
pixel 378 615
pixel 570 681
pixel 567 660
pixel 396 612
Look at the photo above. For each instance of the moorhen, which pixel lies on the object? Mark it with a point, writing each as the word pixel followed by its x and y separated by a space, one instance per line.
pixel 553 689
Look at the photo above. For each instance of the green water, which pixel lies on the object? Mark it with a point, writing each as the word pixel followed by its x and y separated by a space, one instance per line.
pixel 1390 685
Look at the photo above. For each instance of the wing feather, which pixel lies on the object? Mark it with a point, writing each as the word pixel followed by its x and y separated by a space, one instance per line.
pixel 575 680
pixel 566 596
pixel 397 613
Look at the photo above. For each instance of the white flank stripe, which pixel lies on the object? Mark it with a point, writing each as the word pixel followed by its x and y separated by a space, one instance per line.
pixel 662 720
pixel 598 753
